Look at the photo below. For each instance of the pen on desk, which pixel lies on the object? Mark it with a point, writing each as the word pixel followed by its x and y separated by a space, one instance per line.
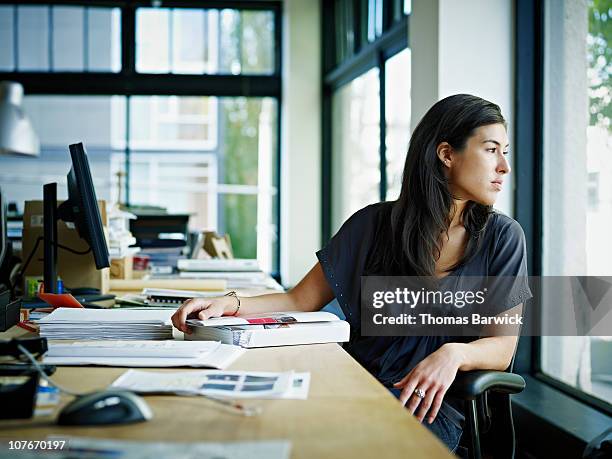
pixel 244 410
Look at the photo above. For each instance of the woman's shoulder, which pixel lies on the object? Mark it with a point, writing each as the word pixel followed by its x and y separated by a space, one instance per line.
pixel 370 213
pixel 504 227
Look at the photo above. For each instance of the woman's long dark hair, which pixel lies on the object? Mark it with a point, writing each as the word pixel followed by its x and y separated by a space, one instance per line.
pixel 408 235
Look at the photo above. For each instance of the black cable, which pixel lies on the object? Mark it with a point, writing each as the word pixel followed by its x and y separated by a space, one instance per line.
pixel 33 251
pixel 43 375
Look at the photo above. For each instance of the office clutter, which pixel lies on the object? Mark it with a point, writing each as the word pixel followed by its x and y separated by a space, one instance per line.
pixel 238 273
pixel 272 329
pixel 135 285
pixel 219 265
pixel 162 237
pixel 214 245
pixel 9 311
pixel 133 324
pixel 149 354
pixel 20 380
pixel 226 384
pixel 172 298
pixel 121 243
pixel 75 269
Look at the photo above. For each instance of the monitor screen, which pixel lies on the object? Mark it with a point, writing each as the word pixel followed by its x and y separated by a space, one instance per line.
pixel 82 206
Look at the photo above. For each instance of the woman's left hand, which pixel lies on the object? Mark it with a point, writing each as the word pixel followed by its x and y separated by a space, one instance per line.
pixel 433 375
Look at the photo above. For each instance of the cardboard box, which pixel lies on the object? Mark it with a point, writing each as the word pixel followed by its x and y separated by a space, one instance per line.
pixel 121 268
pixel 75 270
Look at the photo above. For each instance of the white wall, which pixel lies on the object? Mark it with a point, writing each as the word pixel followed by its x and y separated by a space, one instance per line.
pixel 464 47
pixel 301 140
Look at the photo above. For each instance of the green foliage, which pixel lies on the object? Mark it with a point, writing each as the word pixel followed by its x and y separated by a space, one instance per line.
pixel 240 117
pixel 600 63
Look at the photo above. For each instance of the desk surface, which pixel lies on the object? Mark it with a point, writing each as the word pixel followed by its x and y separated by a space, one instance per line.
pixel 348 413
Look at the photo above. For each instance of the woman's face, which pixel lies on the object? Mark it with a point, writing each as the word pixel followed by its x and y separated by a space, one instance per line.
pixel 477 172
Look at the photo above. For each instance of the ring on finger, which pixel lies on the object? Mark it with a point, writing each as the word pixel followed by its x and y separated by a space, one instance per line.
pixel 419 393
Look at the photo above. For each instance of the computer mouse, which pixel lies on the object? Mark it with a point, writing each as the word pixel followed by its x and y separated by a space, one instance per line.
pixel 105 407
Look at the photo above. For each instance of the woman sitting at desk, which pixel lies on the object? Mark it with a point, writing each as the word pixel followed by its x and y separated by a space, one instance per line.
pixel 442 224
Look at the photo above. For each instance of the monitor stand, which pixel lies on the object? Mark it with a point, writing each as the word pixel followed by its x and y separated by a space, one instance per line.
pixel 50 237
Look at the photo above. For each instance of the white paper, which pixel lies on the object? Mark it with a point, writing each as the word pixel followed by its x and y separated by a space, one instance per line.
pixel 116 316
pixel 222 357
pixel 132 348
pixel 299 387
pixel 226 384
pixel 76 323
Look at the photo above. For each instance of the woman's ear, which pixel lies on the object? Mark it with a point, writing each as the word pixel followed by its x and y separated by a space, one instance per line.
pixel 444 152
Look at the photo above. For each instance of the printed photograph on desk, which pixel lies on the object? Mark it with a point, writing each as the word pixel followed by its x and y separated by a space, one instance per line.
pixel 234 384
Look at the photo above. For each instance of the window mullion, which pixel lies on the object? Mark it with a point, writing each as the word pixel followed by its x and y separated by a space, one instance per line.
pixel 383 127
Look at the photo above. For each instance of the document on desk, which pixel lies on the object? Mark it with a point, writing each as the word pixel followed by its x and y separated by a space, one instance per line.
pixel 95 448
pixel 271 329
pixel 74 324
pixel 148 354
pixel 226 384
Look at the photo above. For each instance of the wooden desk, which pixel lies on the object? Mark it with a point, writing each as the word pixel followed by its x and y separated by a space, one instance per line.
pixel 347 414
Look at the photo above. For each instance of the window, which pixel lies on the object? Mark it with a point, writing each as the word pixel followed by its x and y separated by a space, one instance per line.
pixel 577 199
pixel 45 38
pixel 188 110
pixel 367 104
pixel 397 108
pixel 173 122
pixel 356 137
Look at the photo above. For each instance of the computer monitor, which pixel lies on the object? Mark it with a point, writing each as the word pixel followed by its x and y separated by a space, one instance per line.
pixel 81 208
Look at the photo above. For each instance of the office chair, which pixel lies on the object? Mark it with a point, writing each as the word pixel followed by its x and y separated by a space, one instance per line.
pixel 488 411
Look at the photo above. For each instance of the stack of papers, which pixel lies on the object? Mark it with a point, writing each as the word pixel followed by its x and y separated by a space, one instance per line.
pixel 76 323
pixel 236 280
pixel 271 329
pixel 148 354
pixel 220 384
pixel 219 264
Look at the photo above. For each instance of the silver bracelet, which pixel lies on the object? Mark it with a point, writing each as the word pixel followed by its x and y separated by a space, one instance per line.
pixel 233 293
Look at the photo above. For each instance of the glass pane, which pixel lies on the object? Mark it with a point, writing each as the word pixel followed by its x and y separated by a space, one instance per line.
pixel 239 211
pixel 188 44
pixel 578 181
pixel 7 50
pixel 152 40
pixel 258 42
pixel 68 30
pixel 407 6
pixel 229 185
pixel 104 39
pixel 397 118
pixel 172 122
pixel 355 146
pixel 229 51
pixel 194 41
pixel 33 38
pixel 60 121
pixel 375 19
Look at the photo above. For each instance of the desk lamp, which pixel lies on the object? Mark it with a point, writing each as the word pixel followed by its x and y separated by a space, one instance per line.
pixel 16 133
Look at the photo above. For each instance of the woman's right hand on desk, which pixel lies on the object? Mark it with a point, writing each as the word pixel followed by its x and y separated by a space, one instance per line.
pixel 202 308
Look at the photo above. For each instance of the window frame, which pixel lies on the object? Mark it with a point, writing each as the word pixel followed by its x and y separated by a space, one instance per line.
pixel 528 194
pixel 358 58
pixel 128 82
